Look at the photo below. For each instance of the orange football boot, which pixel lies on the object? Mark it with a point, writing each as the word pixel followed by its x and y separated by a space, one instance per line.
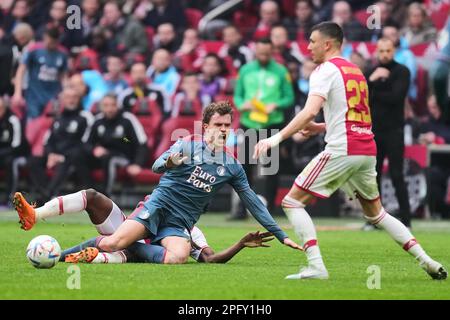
pixel 25 210
pixel 83 256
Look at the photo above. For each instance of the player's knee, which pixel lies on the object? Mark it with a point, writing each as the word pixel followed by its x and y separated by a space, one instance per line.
pixel 112 243
pixel 174 258
pixel 290 202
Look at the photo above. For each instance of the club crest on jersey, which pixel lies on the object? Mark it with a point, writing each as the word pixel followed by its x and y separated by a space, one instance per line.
pixel 221 171
pixel 201 179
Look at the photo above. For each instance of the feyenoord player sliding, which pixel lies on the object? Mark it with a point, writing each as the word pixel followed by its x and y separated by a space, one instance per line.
pixel 194 168
pixel 106 216
pixel 349 158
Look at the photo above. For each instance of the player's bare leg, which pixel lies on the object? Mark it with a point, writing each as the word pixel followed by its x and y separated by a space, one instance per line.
pixel 375 214
pixel 129 232
pixel 178 250
pixel 294 207
pixel 96 204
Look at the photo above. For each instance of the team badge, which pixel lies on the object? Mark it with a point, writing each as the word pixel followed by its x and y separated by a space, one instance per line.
pixel 221 170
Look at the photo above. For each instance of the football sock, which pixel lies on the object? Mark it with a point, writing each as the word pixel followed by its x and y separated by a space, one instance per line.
pixel 71 203
pixel 400 233
pixel 147 252
pixel 304 228
pixel 110 257
pixel 78 247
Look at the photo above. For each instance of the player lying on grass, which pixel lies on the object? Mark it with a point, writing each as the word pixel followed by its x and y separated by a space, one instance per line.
pixel 194 168
pixel 107 217
pixel 349 158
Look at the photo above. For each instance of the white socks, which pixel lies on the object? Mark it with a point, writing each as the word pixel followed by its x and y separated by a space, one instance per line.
pixel 400 233
pixel 110 257
pixel 71 203
pixel 304 228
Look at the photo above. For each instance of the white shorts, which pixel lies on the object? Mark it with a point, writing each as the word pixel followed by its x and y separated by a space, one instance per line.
pixel 355 175
pixel 112 223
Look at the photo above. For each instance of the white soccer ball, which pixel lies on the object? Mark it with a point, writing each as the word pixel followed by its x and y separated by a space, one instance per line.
pixel 43 252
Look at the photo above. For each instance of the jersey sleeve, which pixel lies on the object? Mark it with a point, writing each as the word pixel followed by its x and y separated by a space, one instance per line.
pixel 322 80
pixel 255 205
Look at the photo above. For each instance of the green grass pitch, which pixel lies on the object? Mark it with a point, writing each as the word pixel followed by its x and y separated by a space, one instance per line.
pixel 253 274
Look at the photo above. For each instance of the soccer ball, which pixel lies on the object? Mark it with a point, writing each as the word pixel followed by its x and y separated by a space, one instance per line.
pixel 43 252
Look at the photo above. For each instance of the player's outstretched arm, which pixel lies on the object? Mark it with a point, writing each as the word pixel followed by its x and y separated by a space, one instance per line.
pixel 250 240
pixel 300 121
pixel 170 159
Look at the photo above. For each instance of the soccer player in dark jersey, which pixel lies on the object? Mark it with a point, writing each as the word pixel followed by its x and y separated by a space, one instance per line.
pixel 194 168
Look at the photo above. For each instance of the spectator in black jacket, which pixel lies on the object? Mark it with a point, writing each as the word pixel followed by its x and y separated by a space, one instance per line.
pixel 117 140
pixel 13 145
pixel 64 150
pixel 388 86
pixel 164 11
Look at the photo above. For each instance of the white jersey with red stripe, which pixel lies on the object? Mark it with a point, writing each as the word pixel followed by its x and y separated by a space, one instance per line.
pixel 346 108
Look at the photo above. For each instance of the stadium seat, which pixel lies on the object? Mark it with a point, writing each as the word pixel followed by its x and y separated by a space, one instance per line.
pixel 193 17
pixel 176 128
pixel 36 131
pixel 361 16
pixel 439 18
pixel 150 33
pixel 288 7
pixel 150 116
pixel 420 105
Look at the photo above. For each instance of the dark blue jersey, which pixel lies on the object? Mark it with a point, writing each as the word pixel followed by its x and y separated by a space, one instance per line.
pixel 185 191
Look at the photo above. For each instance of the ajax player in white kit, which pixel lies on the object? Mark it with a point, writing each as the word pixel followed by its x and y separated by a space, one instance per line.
pixel 349 158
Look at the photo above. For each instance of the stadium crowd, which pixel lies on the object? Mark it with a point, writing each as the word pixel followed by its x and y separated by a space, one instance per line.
pixel 81 96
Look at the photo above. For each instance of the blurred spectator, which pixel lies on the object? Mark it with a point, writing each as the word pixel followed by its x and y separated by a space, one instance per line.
pixel 212 81
pixel 403 56
pixel 13 145
pixel 385 19
pixel 166 38
pixel 323 9
pixel 190 100
pixel 234 49
pixel 19 12
pixel 306 70
pixel 46 64
pixel 189 56
pixel 98 43
pixel 282 51
pixel 64 150
pixel 90 16
pixel 269 15
pixel 263 91
pixel 125 34
pixel 117 139
pixel 343 16
pixel 164 11
pixel 388 87
pixel 398 10
pixel 435 131
pixel 57 19
pixel 115 77
pixel 11 50
pixel 90 86
pixel 162 73
pixel 418 27
pixel 439 72
pixel 299 26
pixel 358 59
pixel 139 89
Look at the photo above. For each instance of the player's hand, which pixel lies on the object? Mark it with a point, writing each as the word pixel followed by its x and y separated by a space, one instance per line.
pixel 288 242
pixel 256 239
pixel 134 169
pixel 261 148
pixel 247 106
pixel 270 108
pixel 53 159
pixel 175 159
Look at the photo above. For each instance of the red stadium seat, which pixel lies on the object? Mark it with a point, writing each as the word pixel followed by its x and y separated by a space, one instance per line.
pixel 439 18
pixel 150 32
pixel 36 131
pixel 288 7
pixel 193 17
pixel 361 16
pixel 420 105
pixel 150 116
pixel 174 129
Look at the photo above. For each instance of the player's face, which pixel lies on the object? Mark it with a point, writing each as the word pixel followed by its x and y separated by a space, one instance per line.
pixel 217 130
pixel 385 51
pixel 318 45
